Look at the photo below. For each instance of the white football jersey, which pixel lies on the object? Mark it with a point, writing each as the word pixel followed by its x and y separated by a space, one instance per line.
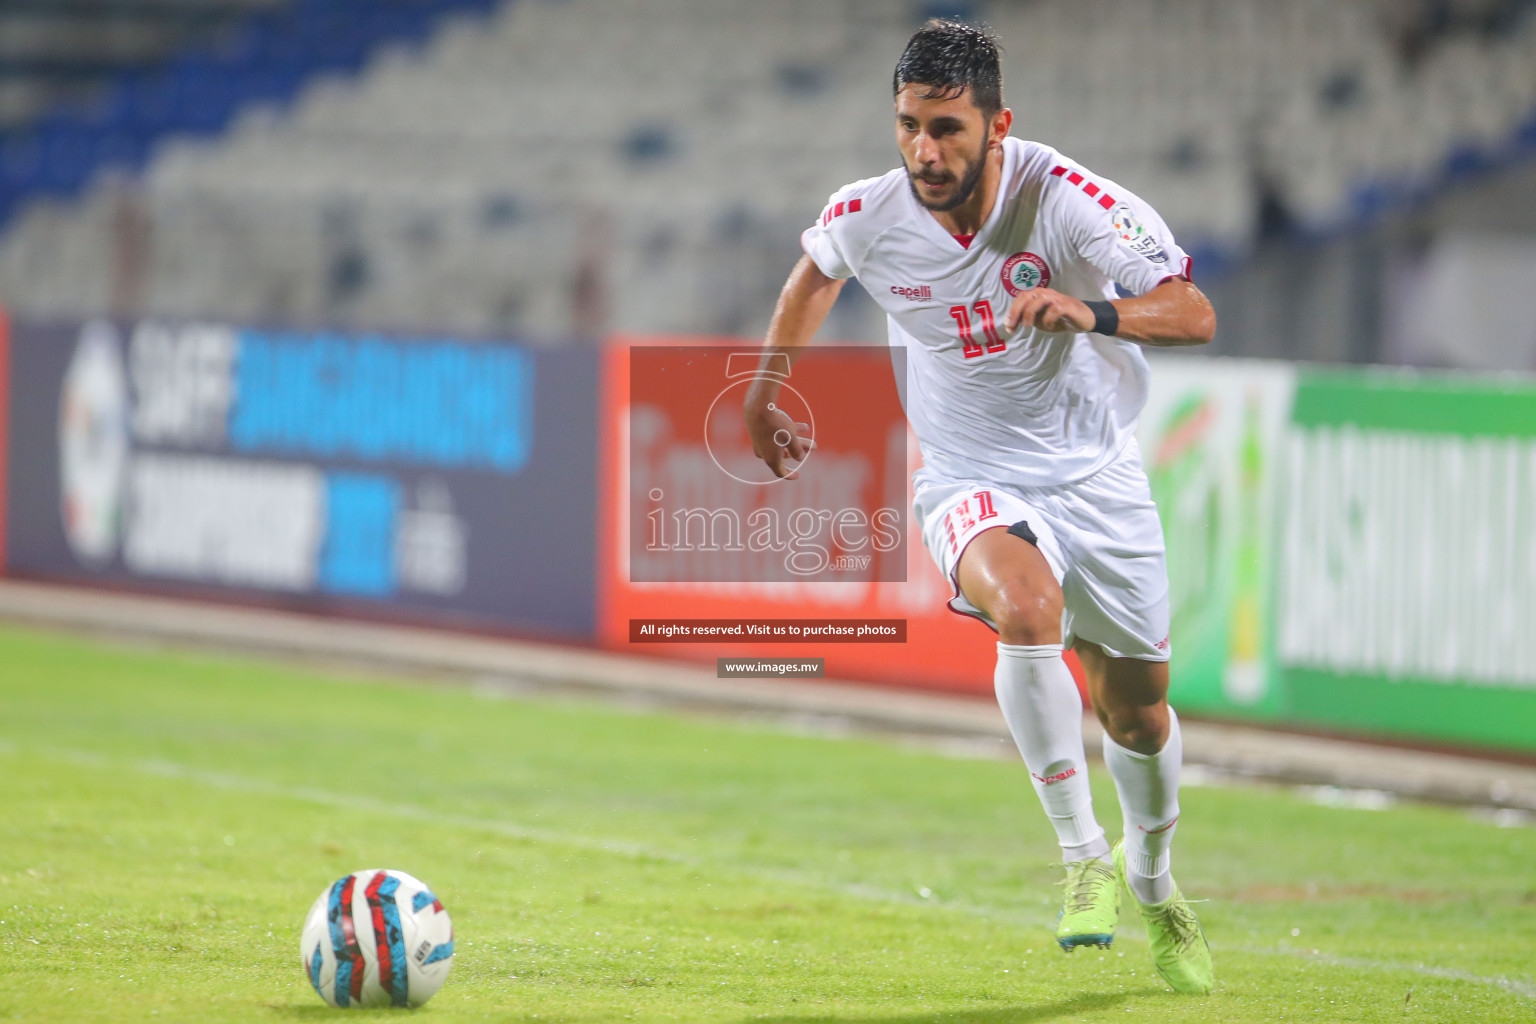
pixel 1026 408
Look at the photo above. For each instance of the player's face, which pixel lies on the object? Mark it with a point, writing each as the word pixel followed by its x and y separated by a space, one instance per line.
pixel 944 144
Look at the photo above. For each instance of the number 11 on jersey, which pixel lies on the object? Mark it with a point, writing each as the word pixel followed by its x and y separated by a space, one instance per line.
pixel 995 342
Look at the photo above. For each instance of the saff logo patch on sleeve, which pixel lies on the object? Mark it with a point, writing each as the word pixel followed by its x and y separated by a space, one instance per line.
pixel 1135 236
pixel 1023 271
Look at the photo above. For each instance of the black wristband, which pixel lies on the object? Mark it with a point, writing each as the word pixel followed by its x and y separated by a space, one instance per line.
pixel 1106 318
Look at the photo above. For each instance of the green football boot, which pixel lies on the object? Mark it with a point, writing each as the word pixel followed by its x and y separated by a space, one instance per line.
pixel 1180 954
pixel 1090 907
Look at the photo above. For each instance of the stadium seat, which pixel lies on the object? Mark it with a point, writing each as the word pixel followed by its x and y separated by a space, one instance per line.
pixel 483 160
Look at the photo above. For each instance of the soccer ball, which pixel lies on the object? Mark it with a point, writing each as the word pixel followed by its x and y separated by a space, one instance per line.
pixel 377 938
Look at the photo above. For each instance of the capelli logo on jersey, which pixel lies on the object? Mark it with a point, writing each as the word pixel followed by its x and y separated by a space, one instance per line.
pixel 921 293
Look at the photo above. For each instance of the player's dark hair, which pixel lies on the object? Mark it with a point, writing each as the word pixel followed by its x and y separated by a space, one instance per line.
pixel 948 57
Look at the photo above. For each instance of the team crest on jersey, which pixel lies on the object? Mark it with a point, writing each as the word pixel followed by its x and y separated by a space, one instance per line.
pixel 1136 237
pixel 1023 271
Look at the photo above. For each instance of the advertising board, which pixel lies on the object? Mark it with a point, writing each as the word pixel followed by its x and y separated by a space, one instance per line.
pixel 1208 435
pixel 1406 598
pixel 427 477
pixel 1352 550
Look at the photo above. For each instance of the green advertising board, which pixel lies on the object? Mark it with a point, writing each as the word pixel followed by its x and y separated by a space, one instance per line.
pixel 1350 550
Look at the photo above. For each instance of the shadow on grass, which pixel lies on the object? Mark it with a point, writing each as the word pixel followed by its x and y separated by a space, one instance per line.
pixel 319 1011
pixel 1086 1004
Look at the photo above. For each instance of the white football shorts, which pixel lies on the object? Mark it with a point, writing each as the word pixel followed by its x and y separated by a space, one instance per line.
pixel 1101 536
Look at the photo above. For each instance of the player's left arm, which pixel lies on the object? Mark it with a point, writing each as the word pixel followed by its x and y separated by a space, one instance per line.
pixel 1125 239
pixel 1173 313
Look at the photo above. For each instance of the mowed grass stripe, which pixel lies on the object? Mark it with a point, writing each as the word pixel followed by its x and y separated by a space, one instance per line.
pixel 365 804
pixel 569 972
pixel 549 823
pixel 198 932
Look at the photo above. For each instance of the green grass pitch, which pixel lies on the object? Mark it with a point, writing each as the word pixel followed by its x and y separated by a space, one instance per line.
pixel 168 820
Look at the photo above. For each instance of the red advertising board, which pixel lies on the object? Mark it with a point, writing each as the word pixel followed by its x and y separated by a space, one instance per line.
pixel 942 650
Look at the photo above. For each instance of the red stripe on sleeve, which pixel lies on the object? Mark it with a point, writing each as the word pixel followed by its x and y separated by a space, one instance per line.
pixel 1106 200
pixel 1058 171
pixel 855 205
pixel 1075 178
pixel 1091 189
pixel 837 211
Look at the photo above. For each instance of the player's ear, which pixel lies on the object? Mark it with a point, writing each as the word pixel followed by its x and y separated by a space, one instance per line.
pixel 1002 122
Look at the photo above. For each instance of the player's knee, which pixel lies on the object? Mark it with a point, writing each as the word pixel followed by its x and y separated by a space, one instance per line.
pixel 1028 615
pixel 1140 729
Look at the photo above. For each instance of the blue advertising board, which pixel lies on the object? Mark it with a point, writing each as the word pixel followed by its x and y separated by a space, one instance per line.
pixel 438 479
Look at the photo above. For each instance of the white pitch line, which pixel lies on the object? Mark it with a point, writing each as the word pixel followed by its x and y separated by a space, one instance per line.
pixel 625 848
pixel 1511 985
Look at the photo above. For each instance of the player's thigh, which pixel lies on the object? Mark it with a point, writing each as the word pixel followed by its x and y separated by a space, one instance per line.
pixel 1006 576
pixel 1018 555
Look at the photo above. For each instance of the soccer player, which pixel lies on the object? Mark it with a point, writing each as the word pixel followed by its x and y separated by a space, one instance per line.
pixel 997 263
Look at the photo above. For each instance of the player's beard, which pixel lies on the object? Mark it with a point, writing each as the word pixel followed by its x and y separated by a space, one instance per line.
pixel 968 183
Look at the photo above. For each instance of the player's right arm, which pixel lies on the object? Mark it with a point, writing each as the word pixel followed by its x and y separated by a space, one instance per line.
pixel 803 305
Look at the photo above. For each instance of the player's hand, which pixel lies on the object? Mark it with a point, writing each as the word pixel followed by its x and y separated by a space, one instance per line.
pixel 1048 310
pixel 777 439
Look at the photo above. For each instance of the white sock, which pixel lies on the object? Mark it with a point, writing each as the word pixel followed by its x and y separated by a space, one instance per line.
pixel 1045 714
pixel 1148 785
